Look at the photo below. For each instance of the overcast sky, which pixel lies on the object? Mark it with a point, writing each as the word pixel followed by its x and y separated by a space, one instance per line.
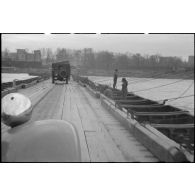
pixel 181 45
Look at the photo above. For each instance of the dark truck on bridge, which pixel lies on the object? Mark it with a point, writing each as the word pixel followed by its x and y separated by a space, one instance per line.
pixel 61 71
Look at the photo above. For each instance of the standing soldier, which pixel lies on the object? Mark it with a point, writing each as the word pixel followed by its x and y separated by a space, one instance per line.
pixel 115 78
pixel 124 88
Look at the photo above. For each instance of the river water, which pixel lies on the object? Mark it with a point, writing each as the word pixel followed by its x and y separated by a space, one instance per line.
pixel 159 93
pixel 9 77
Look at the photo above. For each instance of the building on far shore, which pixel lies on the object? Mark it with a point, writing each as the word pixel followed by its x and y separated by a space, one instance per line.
pixel 30 57
pixel 21 60
pixel 37 55
pixel 191 60
pixel 23 55
pixel 12 56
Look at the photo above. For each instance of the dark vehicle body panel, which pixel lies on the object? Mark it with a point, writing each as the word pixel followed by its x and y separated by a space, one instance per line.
pixel 61 71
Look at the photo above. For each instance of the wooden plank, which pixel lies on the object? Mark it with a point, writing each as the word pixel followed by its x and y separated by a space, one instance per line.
pixel 160 113
pixel 132 149
pixel 175 126
pixel 119 136
pixel 128 95
pixel 70 113
pixel 143 106
pixel 122 100
pixel 89 123
pixel 112 127
pixel 89 120
pixel 49 108
pixel 96 151
pixel 66 105
pixel 102 148
pixel 76 120
pixel 59 110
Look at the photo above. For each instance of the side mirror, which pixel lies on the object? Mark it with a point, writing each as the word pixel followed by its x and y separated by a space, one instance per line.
pixel 16 109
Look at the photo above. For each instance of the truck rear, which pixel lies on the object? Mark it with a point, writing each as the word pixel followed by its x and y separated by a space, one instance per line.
pixel 61 71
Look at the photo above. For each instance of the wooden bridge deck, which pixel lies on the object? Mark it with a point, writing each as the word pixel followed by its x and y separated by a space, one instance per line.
pixel 102 137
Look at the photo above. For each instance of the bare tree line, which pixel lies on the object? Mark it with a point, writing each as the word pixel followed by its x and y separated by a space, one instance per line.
pixel 87 58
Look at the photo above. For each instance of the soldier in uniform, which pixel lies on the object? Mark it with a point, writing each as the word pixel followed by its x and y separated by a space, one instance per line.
pixel 115 78
pixel 124 87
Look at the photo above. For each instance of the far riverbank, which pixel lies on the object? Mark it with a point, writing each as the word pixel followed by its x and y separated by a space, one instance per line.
pixel 163 74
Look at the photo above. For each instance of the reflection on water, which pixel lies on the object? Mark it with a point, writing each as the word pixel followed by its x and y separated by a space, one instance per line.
pixel 168 91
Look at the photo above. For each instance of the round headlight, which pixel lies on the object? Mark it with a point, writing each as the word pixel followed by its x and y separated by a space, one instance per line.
pixel 16 109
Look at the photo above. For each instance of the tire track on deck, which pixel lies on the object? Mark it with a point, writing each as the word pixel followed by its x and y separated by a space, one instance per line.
pixel 48 106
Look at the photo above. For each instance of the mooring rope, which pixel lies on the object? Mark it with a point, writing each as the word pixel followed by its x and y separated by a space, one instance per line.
pixel 181 80
pixel 154 78
pixel 175 98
